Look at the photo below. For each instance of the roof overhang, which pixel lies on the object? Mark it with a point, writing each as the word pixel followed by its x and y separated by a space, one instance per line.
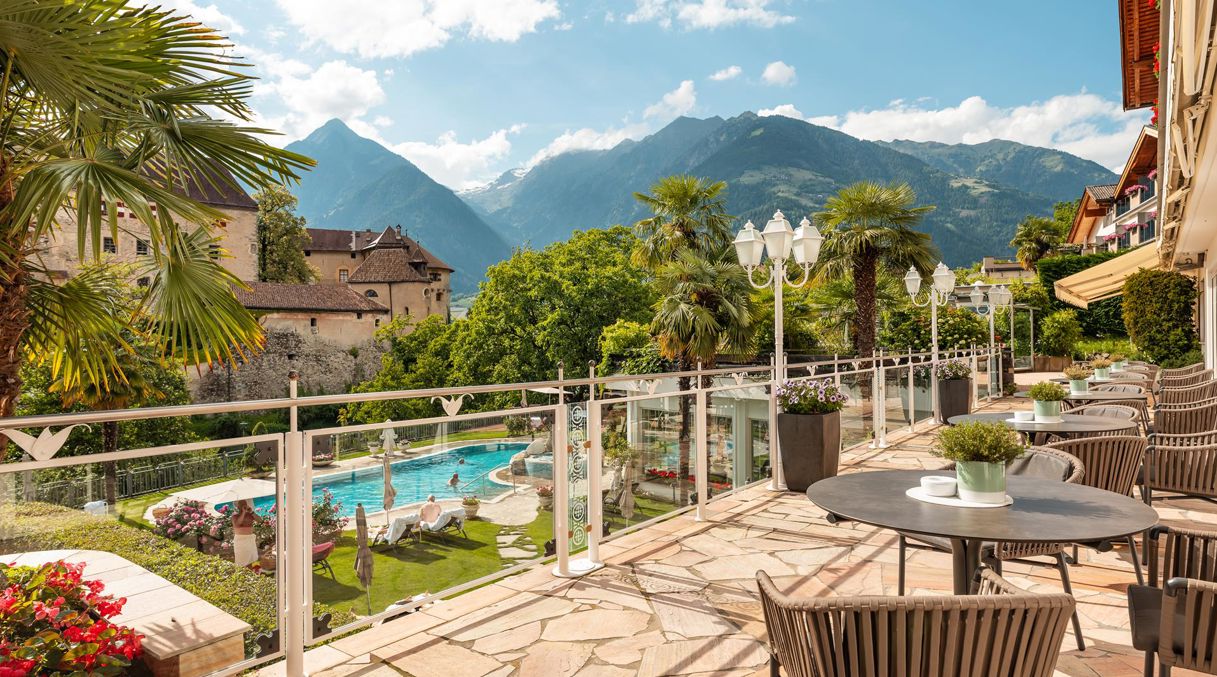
pixel 1138 35
pixel 1106 279
pixel 1142 159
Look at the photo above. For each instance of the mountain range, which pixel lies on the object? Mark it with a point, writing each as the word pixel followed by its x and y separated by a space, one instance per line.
pixel 981 191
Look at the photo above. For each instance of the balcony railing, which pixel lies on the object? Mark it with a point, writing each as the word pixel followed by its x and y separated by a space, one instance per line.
pixel 631 450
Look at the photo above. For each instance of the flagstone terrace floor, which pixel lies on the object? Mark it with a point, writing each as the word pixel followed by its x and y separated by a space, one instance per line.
pixel 679 598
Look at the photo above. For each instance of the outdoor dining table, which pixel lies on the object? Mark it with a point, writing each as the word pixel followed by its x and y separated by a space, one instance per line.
pixel 1070 424
pixel 1095 396
pixel 1043 511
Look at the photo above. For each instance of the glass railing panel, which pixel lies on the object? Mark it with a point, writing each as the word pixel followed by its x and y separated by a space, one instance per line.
pixel 857 418
pixel 737 428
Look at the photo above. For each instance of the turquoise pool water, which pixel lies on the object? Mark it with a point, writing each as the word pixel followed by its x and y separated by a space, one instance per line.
pixel 415 478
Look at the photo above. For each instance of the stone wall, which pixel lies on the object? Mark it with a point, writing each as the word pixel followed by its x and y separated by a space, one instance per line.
pixel 325 368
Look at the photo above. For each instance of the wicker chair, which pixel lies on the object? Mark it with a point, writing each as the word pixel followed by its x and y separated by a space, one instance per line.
pixel 1189 469
pixel 1192 379
pixel 1182 593
pixel 1120 410
pixel 1002 632
pixel 1119 388
pixel 1188 394
pixel 1041 462
pixel 1176 419
pixel 1182 371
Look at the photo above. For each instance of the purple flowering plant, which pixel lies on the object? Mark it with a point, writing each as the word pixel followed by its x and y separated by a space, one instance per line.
pixel 810 397
pixel 186 518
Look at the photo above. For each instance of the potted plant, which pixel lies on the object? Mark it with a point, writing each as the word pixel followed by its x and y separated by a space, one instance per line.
pixel 328 521
pixel 323 459
pixel 470 504
pixel 1047 398
pixel 1117 361
pixel 954 388
pixel 545 493
pixel 980 451
pixel 1077 376
pixel 1102 368
pixel 186 521
pixel 809 430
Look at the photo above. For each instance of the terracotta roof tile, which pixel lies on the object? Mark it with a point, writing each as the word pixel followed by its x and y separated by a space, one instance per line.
pixel 330 240
pixel 387 265
pixel 322 297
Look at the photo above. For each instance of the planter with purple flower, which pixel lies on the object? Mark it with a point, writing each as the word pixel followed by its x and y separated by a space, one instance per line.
pixel 954 388
pixel 809 430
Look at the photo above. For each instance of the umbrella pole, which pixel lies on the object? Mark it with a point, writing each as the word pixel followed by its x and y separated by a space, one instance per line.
pixel 369 593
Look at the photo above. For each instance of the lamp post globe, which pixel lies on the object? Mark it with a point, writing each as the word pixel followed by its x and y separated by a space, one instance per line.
pixel 779 237
pixel 978 295
pixel 749 246
pixel 912 281
pixel 944 279
pixel 807 241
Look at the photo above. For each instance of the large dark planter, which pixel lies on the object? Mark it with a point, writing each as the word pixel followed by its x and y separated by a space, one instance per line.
pixel 954 397
pixel 811 447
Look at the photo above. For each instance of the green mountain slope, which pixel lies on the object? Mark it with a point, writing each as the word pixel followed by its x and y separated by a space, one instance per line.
pixel 1041 171
pixel 359 184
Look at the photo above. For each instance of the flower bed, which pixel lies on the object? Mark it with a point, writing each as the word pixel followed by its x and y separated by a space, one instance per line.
pixel 53 621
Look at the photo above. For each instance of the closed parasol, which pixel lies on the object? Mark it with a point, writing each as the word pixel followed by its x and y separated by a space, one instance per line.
pixel 363 553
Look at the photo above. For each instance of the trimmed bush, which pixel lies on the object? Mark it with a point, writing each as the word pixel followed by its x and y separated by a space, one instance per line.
pixel 1059 333
pixel 1102 318
pixel 250 596
pixel 957 328
pixel 1158 307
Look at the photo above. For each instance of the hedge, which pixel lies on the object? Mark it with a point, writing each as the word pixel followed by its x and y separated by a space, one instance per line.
pixel 250 596
pixel 1102 318
pixel 957 328
pixel 1158 311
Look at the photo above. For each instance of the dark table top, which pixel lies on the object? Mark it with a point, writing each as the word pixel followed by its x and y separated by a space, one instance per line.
pixel 1070 423
pixel 1096 395
pixel 1043 510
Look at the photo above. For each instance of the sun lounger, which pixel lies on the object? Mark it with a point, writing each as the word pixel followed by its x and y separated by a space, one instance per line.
pixel 451 519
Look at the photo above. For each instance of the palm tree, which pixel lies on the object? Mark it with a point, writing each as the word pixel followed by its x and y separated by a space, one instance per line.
pixel 688 213
pixel 869 227
pixel 1035 238
pixel 111 102
pixel 704 310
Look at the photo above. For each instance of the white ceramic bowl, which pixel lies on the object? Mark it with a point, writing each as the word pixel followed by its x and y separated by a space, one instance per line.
pixel 1024 416
pixel 937 485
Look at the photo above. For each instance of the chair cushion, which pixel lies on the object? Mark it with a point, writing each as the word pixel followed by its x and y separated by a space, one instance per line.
pixel 1041 466
pixel 1145 618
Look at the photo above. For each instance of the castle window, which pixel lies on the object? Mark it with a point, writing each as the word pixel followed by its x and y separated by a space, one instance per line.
pixel 371 293
pixel 109 246
pixel 141 247
pixel 308 253
pixel 352 254
pixel 213 250
pixel 312 322
pixel 358 316
pixel 406 310
pixel 343 274
pixel 144 281
pixel 377 322
pixel 439 296
pixel 435 277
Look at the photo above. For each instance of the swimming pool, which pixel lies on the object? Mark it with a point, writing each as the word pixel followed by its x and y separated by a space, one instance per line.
pixel 415 478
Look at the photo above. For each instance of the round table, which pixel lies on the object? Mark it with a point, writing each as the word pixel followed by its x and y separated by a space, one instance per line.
pixel 1043 511
pixel 1095 396
pixel 1071 424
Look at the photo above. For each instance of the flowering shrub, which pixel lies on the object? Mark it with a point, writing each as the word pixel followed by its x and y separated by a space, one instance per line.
pixel 545 491
pixel 951 370
pixel 810 397
pixel 658 474
pixel 327 514
pixel 185 518
pixel 1134 189
pixel 54 622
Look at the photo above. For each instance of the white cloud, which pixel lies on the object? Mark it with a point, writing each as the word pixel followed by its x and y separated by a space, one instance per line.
pixel 779 73
pixel 1083 124
pixel 459 165
pixel 728 73
pixel 375 28
pixel 695 14
pixel 208 15
pixel 310 97
pixel 673 104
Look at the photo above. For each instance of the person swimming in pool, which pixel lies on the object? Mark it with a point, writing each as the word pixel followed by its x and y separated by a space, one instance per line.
pixel 455 481
pixel 461 462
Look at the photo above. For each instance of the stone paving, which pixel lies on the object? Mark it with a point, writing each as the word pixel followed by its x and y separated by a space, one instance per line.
pixel 679 597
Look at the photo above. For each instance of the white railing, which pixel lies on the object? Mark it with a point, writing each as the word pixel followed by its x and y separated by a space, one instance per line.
pixel 727 445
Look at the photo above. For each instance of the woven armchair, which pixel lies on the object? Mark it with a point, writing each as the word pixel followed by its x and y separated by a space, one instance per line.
pixel 1119 388
pixel 1176 615
pixel 1188 394
pixel 1190 470
pixel 1121 410
pixel 1182 371
pixel 1181 419
pixel 1002 632
pixel 1195 378
pixel 1041 462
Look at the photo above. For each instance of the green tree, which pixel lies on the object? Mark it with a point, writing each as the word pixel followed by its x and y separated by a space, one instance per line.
pixel 109 102
pixel 1159 307
pixel 687 214
pixel 1064 213
pixel 627 347
pixel 419 356
pixel 1058 334
pixel 282 238
pixel 1035 238
pixel 870 227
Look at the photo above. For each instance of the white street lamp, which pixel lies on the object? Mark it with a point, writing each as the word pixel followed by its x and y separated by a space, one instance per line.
pixel 780 242
pixel 938 294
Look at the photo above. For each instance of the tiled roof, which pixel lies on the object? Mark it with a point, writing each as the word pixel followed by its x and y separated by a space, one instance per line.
pixel 329 240
pixel 323 297
pixel 1103 193
pixel 387 265
pixel 218 189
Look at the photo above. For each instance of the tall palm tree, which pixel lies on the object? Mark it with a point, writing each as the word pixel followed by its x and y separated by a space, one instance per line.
pixel 704 310
pixel 1036 238
pixel 105 102
pixel 688 213
pixel 869 227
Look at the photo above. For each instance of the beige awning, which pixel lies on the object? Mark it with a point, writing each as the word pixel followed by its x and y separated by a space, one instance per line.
pixel 1106 279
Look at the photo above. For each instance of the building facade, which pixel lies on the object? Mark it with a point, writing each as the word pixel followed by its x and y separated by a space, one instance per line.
pixel 1121 215
pixel 1004 271
pixel 332 311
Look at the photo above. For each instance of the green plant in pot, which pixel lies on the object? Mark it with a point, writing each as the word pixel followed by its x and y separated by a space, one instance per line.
pixel 809 430
pixel 954 388
pixel 980 451
pixel 1102 368
pixel 1078 376
pixel 1046 397
pixel 1118 361
pixel 471 504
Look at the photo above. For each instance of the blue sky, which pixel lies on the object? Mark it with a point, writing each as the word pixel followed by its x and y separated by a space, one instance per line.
pixel 467 89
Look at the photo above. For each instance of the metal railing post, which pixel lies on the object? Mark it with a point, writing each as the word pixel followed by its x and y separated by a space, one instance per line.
pixel 777 478
pixel 880 405
pixel 975 373
pixel 293 551
pixel 595 472
pixel 561 481
pixel 700 475
pixel 912 409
